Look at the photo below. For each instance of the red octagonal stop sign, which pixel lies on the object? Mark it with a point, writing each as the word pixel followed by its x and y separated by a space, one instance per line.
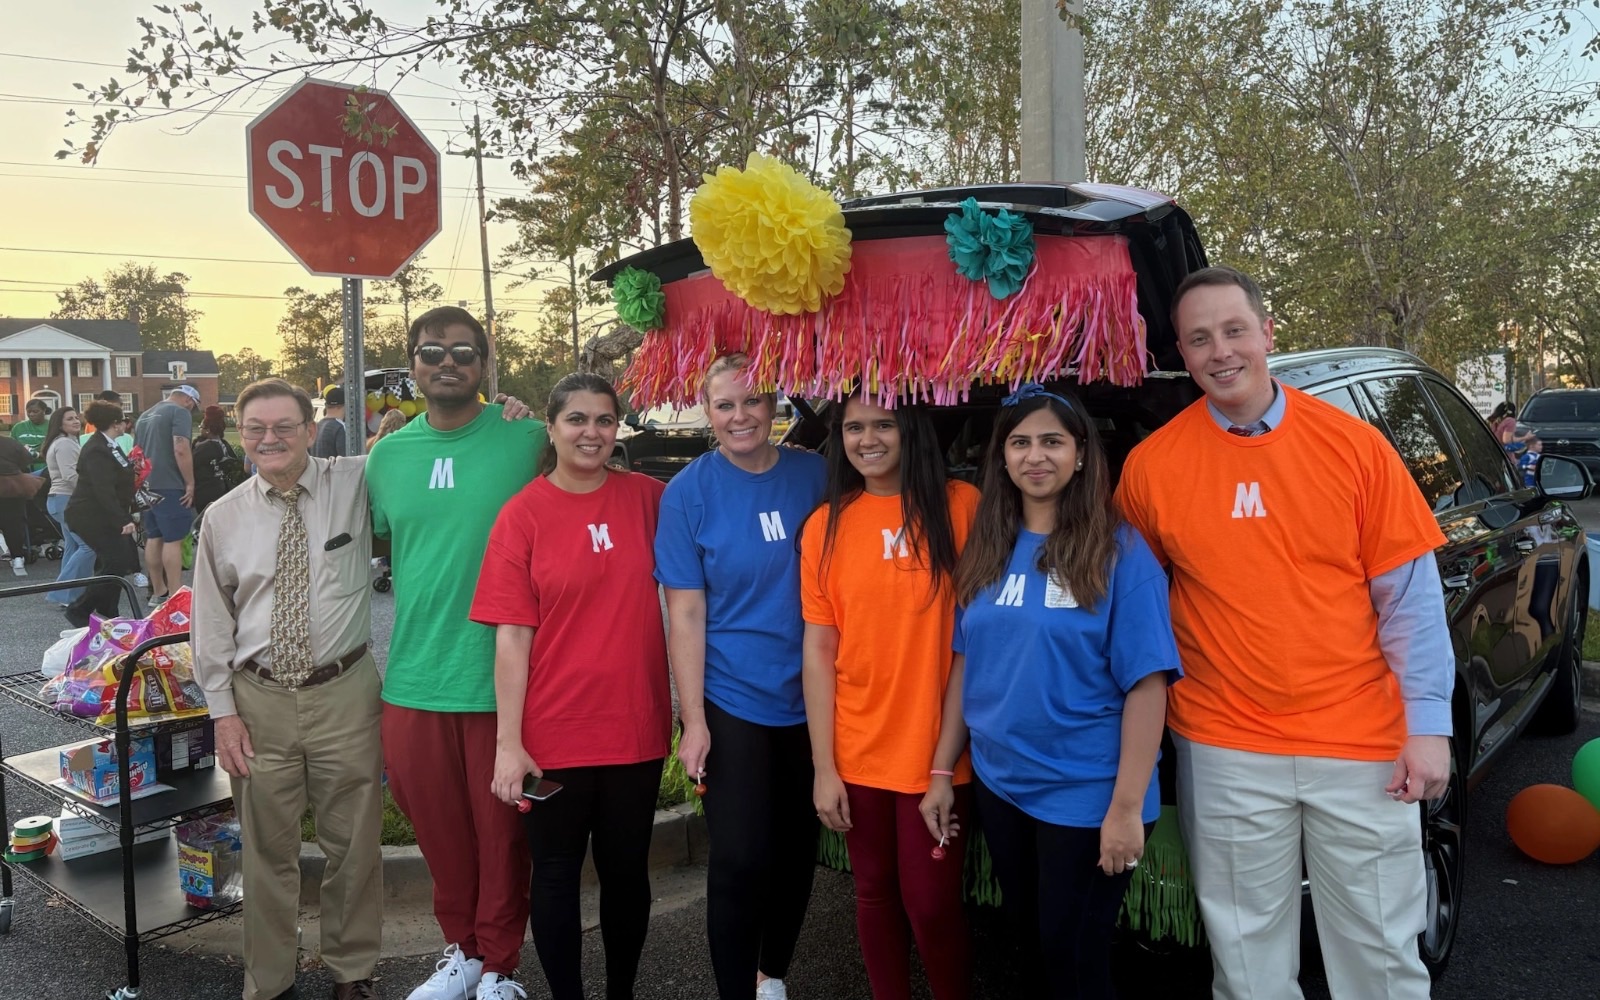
pixel 345 208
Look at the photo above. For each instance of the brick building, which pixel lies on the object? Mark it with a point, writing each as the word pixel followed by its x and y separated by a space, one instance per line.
pixel 70 360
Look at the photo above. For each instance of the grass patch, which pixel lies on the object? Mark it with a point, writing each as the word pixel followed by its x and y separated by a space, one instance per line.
pixel 1591 638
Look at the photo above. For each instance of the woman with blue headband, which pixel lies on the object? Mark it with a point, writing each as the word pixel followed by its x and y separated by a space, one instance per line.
pixel 1064 649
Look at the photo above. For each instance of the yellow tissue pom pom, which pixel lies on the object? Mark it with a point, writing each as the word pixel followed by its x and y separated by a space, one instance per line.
pixel 770 236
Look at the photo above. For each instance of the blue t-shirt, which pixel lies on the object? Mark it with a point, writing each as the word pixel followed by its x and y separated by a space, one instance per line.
pixel 1529 464
pixel 736 536
pixel 1046 680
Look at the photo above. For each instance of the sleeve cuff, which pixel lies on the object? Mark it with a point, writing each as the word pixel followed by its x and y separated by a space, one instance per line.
pixel 1428 717
pixel 220 703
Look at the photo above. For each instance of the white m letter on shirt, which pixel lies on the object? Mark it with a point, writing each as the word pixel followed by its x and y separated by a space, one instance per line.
pixel 772 526
pixel 893 540
pixel 1247 501
pixel 1011 594
pixel 444 474
pixel 600 535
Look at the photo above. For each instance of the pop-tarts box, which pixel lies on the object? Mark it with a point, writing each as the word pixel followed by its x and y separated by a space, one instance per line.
pixel 92 767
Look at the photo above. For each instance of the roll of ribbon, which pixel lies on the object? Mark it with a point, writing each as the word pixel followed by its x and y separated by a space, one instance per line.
pixel 31 826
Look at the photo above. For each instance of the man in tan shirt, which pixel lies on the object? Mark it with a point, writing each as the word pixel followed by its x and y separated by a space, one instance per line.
pixel 282 617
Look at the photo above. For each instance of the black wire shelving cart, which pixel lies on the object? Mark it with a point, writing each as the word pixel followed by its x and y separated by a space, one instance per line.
pixel 132 894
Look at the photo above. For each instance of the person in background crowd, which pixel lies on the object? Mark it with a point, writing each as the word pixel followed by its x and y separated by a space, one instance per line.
pixel 217 466
pixel 331 435
pixel 1064 653
pixel 281 623
pixel 436 486
pixel 163 433
pixel 61 450
pixel 726 555
pixel 125 439
pixel 1314 713
pixel 98 512
pixel 31 432
pixel 581 681
pixel 877 581
pixel 392 421
pixel 1504 422
pixel 17 487
pixel 1528 461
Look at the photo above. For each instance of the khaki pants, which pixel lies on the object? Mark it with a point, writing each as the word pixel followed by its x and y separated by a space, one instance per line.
pixel 1245 817
pixel 319 744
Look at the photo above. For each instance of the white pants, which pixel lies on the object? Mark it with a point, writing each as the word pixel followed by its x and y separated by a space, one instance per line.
pixel 1244 817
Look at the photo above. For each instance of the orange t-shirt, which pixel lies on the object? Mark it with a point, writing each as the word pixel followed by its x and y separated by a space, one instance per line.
pixel 894 642
pixel 1271 542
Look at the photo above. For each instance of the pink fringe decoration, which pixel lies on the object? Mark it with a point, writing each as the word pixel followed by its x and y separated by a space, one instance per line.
pixel 907 325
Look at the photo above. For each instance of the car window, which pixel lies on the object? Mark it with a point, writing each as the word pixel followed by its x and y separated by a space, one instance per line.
pixel 1580 407
pixel 1416 434
pixel 1341 397
pixel 1482 456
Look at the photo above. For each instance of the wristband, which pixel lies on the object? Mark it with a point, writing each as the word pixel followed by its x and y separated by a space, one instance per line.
pixel 947 774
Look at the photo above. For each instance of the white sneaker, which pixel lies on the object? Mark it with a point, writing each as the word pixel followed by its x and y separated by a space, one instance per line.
pixel 455 978
pixel 771 989
pixel 19 566
pixel 497 987
pixel 140 580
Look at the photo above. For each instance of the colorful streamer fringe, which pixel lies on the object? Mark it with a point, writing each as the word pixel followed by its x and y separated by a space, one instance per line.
pixel 906 325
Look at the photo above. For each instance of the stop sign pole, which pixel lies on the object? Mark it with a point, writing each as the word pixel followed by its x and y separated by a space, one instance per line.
pixel 344 206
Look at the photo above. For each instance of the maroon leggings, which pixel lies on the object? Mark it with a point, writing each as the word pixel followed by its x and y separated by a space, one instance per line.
pixel 902 892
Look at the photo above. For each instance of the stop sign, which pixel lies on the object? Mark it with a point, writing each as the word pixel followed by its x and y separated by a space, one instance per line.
pixel 343 207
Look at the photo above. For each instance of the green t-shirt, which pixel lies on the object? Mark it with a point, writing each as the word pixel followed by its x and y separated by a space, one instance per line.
pixel 31 434
pixel 125 442
pixel 436 495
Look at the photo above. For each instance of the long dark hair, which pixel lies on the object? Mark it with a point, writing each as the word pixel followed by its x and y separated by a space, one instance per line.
pixel 924 504
pixel 54 429
pixel 560 394
pixel 1079 549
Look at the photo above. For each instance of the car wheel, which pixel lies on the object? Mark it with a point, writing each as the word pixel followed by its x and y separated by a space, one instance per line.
pixel 1444 823
pixel 1563 703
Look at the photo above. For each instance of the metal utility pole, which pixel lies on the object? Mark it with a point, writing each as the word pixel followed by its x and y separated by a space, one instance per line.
pixel 483 245
pixel 572 283
pixel 1052 91
pixel 355 391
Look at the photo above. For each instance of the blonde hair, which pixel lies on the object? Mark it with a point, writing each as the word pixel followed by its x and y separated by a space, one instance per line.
pixel 736 362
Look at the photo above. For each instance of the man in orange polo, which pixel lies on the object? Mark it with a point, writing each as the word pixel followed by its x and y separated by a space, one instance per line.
pixel 1315 707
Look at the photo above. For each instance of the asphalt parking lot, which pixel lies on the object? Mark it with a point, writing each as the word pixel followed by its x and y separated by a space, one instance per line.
pixel 1528 930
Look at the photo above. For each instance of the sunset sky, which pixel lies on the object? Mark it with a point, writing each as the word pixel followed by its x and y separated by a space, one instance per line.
pixel 172 192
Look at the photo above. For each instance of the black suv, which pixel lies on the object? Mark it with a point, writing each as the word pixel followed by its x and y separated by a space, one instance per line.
pixel 1567 421
pixel 1514 566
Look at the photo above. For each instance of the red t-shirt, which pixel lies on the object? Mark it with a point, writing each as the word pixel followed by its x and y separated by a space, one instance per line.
pixel 577 568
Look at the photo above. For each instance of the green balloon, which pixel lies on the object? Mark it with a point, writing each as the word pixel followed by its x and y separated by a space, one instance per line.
pixel 1586 772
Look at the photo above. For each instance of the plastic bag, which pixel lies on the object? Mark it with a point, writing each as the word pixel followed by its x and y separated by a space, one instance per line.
pixel 59 656
pixel 163 679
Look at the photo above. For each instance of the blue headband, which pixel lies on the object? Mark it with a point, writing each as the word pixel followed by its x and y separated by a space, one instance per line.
pixel 1033 390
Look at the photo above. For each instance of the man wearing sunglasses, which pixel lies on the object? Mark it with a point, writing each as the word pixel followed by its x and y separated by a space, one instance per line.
pixel 436 486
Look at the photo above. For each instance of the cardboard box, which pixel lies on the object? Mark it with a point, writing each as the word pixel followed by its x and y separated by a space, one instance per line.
pixel 92 766
pixel 103 842
pixel 191 748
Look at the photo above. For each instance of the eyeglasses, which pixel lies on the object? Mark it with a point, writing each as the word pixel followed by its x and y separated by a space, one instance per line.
pixel 255 432
pixel 433 354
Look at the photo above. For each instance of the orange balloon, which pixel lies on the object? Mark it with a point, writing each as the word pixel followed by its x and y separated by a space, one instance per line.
pixel 1553 824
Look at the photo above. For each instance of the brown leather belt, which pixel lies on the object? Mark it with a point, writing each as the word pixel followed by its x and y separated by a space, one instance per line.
pixel 319 675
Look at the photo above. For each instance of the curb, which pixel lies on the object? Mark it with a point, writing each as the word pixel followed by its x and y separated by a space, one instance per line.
pixel 678 840
pixel 1591 678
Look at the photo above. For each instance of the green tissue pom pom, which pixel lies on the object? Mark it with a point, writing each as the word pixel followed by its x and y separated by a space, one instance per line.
pixel 640 301
pixel 997 249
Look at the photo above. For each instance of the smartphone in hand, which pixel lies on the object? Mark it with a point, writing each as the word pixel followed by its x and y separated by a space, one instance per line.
pixel 539 789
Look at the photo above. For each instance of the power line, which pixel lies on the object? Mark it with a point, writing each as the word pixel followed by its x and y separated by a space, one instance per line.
pixel 222 260
pixel 176 173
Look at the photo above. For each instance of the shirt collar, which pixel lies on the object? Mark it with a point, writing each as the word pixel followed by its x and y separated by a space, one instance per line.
pixel 306 481
pixel 1272 418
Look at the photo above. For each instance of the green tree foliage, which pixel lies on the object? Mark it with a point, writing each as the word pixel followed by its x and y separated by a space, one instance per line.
pixel 158 302
pixel 235 371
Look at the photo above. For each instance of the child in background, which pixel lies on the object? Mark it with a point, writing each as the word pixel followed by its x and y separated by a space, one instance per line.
pixel 1528 461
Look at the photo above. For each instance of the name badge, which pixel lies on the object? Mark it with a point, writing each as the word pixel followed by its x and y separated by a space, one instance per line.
pixel 1057 594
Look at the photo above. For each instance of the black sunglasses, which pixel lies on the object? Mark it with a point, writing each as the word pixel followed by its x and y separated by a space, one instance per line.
pixel 433 354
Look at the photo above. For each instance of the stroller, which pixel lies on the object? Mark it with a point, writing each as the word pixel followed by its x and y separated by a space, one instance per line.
pixel 44 536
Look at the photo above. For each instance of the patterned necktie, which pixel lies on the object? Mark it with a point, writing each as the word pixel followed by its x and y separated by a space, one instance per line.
pixel 290 638
pixel 1249 430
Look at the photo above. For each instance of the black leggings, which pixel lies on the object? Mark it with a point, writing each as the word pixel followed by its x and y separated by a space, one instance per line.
pixel 14 525
pixel 616 805
pixel 1064 906
pixel 763 831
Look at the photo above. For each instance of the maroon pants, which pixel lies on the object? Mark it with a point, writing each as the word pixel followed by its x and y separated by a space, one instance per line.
pixel 903 893
pixel 441 765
